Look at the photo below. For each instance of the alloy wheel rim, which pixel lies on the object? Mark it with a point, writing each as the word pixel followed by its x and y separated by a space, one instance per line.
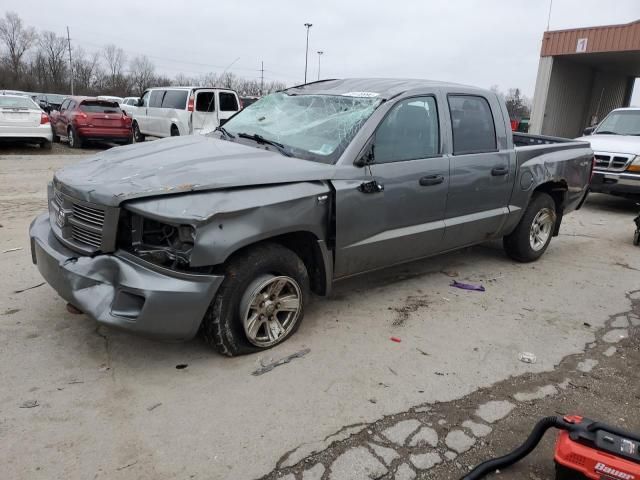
pixel 541 228
pixel 272 306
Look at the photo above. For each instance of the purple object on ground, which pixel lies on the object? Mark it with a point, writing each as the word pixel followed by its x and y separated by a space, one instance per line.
pixel 467 286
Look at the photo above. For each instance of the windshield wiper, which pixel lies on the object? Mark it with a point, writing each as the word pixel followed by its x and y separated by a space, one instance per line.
pixel 607 132
pixel 224 131
pixel 260 139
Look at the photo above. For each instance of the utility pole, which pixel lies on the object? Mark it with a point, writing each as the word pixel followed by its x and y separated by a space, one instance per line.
pixel 320 52
pixel 70 62
pixel 262 78
pixel 549 17
pixel 306 55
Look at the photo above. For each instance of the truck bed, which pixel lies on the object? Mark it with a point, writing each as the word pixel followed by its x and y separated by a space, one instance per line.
pixel 528 139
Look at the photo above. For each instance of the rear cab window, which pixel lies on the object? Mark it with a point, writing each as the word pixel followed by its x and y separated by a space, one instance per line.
pixel 175 99
pixel 99 106
pixel 474 129
pixel 228 102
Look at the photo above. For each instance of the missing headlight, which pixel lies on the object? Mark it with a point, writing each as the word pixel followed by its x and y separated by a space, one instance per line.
pixel 160 243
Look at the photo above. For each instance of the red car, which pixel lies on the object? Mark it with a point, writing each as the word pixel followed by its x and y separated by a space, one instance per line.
pixel 82 119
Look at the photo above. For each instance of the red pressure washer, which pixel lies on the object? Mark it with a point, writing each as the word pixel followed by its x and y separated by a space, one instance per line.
pixel 585 449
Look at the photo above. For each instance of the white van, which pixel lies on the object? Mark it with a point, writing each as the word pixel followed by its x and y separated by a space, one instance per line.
pixel 173 111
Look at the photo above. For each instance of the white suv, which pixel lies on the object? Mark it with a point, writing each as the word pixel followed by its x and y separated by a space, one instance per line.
pixel 173 111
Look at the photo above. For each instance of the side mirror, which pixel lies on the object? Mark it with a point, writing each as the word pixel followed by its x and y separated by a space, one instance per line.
pixel 588 131
pixel 367 157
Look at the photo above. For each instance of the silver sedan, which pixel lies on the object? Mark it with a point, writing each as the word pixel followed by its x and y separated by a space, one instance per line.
pixel 22 120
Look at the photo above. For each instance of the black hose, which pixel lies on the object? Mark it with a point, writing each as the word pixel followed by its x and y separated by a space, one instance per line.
pixel 519 453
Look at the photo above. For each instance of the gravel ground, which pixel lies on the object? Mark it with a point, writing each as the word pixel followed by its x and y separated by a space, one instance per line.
pixel 81 401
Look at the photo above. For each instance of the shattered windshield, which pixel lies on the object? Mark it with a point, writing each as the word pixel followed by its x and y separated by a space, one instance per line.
pixel 312 127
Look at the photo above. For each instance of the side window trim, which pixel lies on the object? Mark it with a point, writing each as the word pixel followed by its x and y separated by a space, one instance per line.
pixel 439 152
pixel 493 122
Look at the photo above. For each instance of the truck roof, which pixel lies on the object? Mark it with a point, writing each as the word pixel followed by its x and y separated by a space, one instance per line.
pixel 381 87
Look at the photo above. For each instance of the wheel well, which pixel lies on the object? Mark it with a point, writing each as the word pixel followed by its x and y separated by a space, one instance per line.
pixel 305 245
pixel 173 125
pixel 558 192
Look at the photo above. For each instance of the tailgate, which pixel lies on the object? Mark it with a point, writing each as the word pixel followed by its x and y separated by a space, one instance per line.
pixel 19 117
pixel 107 120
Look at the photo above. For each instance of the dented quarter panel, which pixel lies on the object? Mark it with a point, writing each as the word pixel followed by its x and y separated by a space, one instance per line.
pixel 559 163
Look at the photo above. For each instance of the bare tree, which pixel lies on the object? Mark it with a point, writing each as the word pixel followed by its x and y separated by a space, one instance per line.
pixel 142 72
pixel 17 39
pixel 53 48
pixel 85 70
pixel 116 60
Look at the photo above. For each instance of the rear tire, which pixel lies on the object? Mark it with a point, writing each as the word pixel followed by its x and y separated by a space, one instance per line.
pixel 75 141
pixel 174 131
pixel 54 138
pixel 268 269
pixel 137 135
pixel 533 234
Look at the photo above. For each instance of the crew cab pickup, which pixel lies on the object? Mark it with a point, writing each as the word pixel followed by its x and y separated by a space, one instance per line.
pixel 616 142
pixel 227 233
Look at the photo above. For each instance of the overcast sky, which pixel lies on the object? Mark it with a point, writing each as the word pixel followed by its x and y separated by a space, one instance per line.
pixel 477 42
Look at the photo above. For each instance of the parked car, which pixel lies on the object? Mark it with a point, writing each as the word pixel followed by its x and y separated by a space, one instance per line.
pixel 174 111
pixel 111 98
pixel 616 143
pixel 246 101
pixel 22 120
pixel 228 232
pixel 129 104
pixel 49 101
pixel 83 119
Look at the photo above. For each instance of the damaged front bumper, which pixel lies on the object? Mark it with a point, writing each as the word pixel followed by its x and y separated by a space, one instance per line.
pixel 123 291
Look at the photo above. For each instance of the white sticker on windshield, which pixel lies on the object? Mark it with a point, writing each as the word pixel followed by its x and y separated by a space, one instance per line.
pixel 360 94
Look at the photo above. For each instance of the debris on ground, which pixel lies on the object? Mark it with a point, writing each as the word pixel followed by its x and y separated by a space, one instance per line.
pixel 282 361
pixel 182 366
pixel 127 466
pixel 73 309
pixel 527 357
pixel 395 339
pixel 30 404
pixel 154 406
pixel 12 250
pixel 104 368
pixel 467 286
pixel 28 288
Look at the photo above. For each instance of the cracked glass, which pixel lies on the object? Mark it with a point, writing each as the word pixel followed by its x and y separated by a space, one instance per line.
pixel 312 127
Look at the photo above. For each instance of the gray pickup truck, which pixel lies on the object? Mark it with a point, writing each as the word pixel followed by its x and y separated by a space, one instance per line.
pixel 228 233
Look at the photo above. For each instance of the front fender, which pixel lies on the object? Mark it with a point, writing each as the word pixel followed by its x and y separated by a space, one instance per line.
pixel 228 220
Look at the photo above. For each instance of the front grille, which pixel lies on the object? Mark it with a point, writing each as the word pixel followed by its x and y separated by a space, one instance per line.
pixel 614 162
pixel 91 215
pixel 82 225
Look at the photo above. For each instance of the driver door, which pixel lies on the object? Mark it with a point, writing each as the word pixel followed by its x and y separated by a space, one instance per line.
pixel 395 211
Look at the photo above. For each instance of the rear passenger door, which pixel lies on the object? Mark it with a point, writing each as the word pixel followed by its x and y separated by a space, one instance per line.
pixel 228 106
pixel 174 112
pixel 481 176
pixel 205 114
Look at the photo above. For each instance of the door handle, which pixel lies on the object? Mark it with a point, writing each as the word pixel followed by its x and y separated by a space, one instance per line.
pixel 431 180
pixel 498 171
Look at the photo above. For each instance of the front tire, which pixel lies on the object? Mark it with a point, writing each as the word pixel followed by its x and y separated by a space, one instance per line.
pixel 174 131
pixel 260 303
pixel 533 234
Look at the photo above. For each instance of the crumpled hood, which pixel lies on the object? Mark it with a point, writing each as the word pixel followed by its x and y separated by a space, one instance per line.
pixel 628 144
pixel 181 164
